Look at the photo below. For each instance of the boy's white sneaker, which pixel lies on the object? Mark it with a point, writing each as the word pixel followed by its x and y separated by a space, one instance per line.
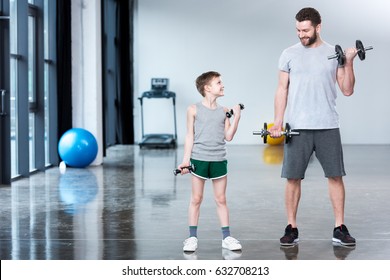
pixel 231 243
pixel 190 244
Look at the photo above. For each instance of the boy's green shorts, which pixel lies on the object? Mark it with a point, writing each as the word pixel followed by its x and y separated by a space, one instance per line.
pixel 209 169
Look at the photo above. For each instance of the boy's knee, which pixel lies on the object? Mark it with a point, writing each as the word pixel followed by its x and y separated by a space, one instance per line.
pixel 220 200
pixel 196 200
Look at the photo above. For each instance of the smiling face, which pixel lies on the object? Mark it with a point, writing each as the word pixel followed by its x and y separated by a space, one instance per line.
pixel 307 33
pixel 216 87
pixel 208 80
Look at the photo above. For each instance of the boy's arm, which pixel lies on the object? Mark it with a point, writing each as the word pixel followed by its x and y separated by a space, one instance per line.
pixel 189 140
pixel 230 129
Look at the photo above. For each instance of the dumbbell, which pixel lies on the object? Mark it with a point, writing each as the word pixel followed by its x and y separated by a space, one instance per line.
pixel 230 113
pixel 191 168
pixel 288 133
pixel 339 54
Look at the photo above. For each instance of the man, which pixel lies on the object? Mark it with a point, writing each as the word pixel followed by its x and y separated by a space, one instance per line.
pixel 306 96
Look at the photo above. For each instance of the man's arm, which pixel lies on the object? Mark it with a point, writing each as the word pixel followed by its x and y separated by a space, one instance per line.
pixel 280 103
pixel 345 75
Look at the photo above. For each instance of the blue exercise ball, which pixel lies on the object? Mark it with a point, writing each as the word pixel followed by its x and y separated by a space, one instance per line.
pixel 77 147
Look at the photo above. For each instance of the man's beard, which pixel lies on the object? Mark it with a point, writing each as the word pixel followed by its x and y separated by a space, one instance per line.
pixel 311 41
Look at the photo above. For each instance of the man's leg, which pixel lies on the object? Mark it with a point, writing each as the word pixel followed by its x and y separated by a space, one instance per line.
pixel 292 197
pixel 337 197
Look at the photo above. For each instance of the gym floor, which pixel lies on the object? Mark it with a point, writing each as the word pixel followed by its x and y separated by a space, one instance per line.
pixel 133 208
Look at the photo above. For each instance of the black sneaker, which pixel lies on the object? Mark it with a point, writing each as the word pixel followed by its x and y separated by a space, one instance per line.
pixel 342 236
pixel 290 237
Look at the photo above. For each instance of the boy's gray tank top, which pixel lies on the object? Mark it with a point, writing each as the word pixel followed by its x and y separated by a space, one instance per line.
pixel 209 134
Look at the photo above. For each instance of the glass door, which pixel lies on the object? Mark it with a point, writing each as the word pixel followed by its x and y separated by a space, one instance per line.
pixel 32 105
pixel 28 87
pixel 32 85
pixel 5 157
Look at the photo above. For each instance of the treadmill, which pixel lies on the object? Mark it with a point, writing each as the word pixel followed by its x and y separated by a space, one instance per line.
pixel 159 89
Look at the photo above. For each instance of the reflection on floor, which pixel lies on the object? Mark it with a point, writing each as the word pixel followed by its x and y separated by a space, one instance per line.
pixel 133 207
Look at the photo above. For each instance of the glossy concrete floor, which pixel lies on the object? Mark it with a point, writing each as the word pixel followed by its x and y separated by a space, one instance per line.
pixel 133 207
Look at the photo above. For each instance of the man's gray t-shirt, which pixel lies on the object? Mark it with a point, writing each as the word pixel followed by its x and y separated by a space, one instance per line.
pixel 312 93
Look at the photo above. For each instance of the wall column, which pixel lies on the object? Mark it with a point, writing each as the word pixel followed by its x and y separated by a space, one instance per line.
pixel 87 70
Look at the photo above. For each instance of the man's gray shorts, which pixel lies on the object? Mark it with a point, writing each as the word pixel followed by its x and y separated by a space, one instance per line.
pixel 326 143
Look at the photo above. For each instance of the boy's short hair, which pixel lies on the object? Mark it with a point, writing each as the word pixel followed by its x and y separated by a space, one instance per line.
pixel 309 14
pixel 204 80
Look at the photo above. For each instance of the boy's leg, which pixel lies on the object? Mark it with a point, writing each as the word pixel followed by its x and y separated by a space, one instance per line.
pixel 191 243
pixel 228 242
pixel 196 200
pixel 219 186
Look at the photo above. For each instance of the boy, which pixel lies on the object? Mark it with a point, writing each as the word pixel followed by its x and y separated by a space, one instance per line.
pixel 207 130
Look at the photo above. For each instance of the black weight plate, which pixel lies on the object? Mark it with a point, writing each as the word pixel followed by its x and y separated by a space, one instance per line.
pixel 287 136
pixel 265 133
pixel 361 51
pixel 341 60
pixel 229 113
pixel 340 55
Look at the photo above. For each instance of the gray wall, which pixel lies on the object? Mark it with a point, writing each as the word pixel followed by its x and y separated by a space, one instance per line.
pixel 242 39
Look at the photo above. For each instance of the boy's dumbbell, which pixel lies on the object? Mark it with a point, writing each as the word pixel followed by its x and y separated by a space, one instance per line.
pixel 191 168
pixel 230 113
